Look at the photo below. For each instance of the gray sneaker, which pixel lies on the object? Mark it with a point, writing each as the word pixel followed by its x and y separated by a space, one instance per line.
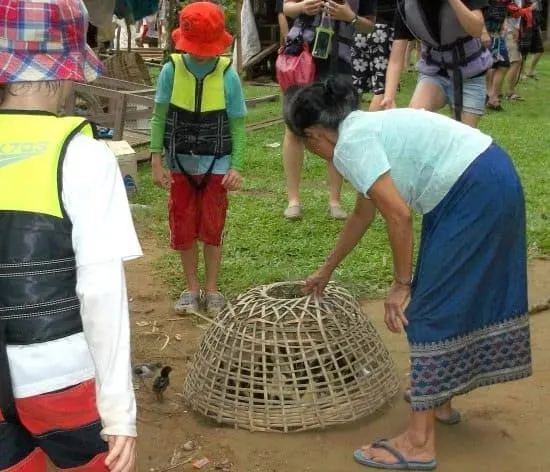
pixel 214 303
pixel 293 212
pixel 188 303
pixel 337 212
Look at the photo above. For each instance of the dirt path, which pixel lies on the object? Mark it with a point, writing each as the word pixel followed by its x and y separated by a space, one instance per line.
pixel 504 429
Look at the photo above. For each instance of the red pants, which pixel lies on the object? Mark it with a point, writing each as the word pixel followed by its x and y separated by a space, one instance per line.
pixel 196 214
pixel 62 425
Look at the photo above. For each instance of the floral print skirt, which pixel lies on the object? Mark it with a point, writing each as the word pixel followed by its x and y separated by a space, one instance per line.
pixel 369 57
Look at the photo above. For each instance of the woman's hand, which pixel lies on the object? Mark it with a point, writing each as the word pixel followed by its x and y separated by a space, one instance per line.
pixel 395 305
pixel 388 103
pixel 340 11
pixel 122 454
pixel 318 281
pixel 311 7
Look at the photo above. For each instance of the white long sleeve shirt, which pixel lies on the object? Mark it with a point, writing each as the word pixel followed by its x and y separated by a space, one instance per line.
pixel 103 238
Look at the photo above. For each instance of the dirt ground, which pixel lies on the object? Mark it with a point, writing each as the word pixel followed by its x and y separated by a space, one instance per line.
pixel 505 428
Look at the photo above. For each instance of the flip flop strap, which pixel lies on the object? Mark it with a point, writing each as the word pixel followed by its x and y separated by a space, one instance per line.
pixel 383 444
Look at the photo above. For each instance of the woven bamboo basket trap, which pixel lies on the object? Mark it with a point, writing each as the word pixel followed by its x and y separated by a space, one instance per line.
pixel 275 360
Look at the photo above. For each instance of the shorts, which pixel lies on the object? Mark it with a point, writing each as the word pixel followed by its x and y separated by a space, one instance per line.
pixel 513 48
pixel 532 42
pixel 500 53
pixel 474 91
pixel 63 426
pixel 370 57
pixel 196 214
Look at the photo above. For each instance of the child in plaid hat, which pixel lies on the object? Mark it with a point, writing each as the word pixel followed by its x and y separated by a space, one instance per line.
pixel 66 389
pixel 198 120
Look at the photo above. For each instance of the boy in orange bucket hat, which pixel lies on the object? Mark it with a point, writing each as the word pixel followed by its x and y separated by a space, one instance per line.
pixel 198 121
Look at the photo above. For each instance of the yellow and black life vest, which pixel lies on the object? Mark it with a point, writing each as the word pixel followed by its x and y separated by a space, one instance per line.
pixel 197 123
pixel 38 300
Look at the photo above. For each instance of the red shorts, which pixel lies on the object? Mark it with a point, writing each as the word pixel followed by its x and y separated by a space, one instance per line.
pixel 196 214
pixel 62 425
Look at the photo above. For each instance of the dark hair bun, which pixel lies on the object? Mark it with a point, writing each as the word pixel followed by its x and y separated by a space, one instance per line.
pixel 340 90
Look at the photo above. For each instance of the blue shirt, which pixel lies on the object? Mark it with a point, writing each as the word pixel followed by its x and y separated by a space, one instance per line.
pixel 424 152
pixel 234 103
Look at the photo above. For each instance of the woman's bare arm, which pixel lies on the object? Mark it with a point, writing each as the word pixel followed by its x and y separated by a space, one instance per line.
pixel 398 218
pixel 471 20
pixel 395 66
pixel 356 225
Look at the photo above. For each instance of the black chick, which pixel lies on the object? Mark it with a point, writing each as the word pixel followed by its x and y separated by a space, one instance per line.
pixel 161 382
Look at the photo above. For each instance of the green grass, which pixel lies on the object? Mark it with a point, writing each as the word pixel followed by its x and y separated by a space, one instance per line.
pixel 261 247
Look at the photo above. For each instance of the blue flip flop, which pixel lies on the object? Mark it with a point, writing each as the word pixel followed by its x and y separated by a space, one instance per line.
pixel 401 464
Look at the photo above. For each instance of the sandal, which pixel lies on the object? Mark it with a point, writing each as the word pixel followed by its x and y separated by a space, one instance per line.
pixel 492 106
pixel 401 464
pixel 455 417
pixel 516 97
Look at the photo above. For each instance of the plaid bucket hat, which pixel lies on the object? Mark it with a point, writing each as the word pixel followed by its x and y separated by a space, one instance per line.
pixel 43 40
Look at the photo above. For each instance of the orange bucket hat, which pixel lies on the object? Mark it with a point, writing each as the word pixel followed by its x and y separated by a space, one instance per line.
pixel 202 30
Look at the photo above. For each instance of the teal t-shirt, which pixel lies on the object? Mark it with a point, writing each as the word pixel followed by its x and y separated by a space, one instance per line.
pixel 234 102
pixel 425 152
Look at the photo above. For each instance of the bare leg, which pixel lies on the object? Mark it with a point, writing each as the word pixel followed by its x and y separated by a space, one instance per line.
pixel 407 58
pixel 417 443
pixel 513 75
pixel 335 181
pixel 534 62
pixel 429 96
pixel 293 159
pixel 496 89
pixel 490 80
pixel 190 263
pixel 212 260
pixel 470 119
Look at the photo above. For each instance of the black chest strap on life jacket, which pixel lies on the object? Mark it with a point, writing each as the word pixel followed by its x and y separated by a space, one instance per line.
pixel 193 181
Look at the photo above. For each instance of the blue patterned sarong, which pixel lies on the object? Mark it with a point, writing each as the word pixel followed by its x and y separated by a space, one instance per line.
pixel 468 321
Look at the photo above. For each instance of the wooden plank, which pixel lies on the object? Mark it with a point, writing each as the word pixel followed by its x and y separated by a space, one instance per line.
pixel 139 100
pixel 120 117
pixel 140 92
pixel 263 54
pixel 111 82
pixel 264 124
pixel 96 90
pixel 251 102
pixel 108 119
pixel 262 84
pixel 136 139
